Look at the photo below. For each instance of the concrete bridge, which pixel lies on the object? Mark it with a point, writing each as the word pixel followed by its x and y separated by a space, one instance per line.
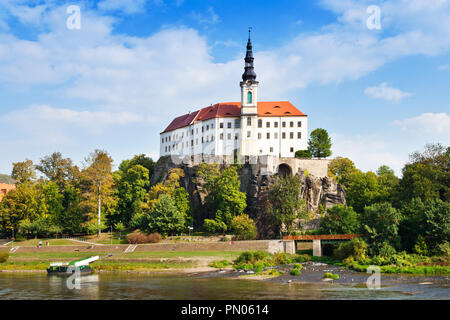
pixel 316 239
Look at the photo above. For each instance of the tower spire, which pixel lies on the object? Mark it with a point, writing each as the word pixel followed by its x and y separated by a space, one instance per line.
pixel 249 73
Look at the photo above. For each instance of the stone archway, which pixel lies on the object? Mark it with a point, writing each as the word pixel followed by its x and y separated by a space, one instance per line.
pixel 284 170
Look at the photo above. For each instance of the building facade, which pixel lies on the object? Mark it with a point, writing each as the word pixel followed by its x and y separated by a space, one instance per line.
pixel 5 188
pixel 247 128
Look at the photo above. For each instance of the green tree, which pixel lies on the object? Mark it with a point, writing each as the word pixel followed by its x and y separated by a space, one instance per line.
pixel 362 190
pixel 388 184
pixel 427 176
pixel 72 217
pixel 437 222
pixel 131 188
pixel 23 172
pixel 244 227
pixel 319 143
pixel 379 226
pixel 339 219
pixel 165 217
pixel 285 205
pixel 97 185
pixel 342 169
pixel 303 154
pixel 59 170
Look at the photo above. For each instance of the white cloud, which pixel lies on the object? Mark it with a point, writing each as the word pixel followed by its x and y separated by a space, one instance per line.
pixel 444 67
pixel 369 152
pixel 437 124
pixel 209 17
pixel 127 6
pixel 383 91
pixel 43 117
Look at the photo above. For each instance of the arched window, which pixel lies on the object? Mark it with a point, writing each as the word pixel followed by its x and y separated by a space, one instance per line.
pixel 249 97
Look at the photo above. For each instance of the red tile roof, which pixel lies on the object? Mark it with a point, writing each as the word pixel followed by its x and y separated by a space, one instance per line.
pixel 233 109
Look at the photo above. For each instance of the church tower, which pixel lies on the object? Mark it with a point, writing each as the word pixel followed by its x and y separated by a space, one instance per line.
pixel 249 104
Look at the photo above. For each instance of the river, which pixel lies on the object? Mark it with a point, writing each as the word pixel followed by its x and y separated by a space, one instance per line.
pixel 108 286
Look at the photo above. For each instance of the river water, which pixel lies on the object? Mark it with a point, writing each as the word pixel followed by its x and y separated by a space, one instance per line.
pixel 109 286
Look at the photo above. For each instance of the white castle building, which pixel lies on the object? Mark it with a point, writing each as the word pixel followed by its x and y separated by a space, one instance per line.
pixel 246 128
pixel 238 130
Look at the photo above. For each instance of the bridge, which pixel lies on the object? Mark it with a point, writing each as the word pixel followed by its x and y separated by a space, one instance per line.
pixel 317 238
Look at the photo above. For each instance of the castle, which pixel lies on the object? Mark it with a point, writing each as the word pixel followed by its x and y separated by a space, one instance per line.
pixel 249 131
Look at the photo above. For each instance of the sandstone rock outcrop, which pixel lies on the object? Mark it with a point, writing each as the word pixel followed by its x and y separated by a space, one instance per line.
pixel 315 190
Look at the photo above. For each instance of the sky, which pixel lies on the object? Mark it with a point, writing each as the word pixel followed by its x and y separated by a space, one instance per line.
pixel 117 79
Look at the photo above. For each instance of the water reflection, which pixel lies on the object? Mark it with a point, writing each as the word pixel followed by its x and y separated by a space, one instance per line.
pixel 159 286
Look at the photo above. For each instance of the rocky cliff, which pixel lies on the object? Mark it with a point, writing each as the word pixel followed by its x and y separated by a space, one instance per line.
pixel 316 191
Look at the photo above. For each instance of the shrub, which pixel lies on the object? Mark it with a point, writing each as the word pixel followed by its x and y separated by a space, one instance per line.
pixel 387 250
pixel 283 258
pixel 444 249
pixel 213 226
pixel 298 266
pixel 295 272
pixel 4 257
pixel 303 258
pixel 138 237
pixel 252 256
pixel 226 238
pixel 421 246
pixel 355 248
pixel 154 238
pixel 244 227
pixel 328 249
pixel 339 219
pixel 330 275
pixel 220 264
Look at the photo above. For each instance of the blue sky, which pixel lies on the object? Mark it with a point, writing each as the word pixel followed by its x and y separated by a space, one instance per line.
pixel 115 83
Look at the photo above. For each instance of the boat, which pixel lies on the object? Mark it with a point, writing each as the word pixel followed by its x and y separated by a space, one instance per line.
pixel 68 268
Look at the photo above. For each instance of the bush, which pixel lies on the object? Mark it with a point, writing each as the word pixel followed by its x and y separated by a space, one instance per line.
pixel 138 237
pixel 444 249
pixel 328 249
pixel 355 248
pixel 330 275
pixel 303 258
pixel 4 257
pixel 252 256
pixel 295 272
pixel 283 258
pixel 226 238
pixel 339 219
pixel 421 246
pixel 213 226
pixel 220 264
pixel 244 227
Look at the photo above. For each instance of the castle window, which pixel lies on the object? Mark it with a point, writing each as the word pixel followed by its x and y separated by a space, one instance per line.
pixel 192 132
pixel 276 135
pixel 291 135
pixel 283 124
pixel 268 135
pixel 162 140
pixel 229 136
pixel 283 135
pixel 237 123
pixel 192 143
pixel 259 135
pixel 271 149
pixel 299 135
pixel 292 124
pixel 249 121
pixel 249 97
pixel 221 136
pixel 299 124
pixel 249 134
pixel 196 141
pixel 236 136
pixel 166 148
pixel 229 125
pixel 207 127
pixel 202 140
pixel 267 124
pixel 259 123
pixel 221 125
pixel 275 124
pixel 292 149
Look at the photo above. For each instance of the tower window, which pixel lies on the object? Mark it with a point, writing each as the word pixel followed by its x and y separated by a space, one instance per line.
pixel 249 97
pixel 249 121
